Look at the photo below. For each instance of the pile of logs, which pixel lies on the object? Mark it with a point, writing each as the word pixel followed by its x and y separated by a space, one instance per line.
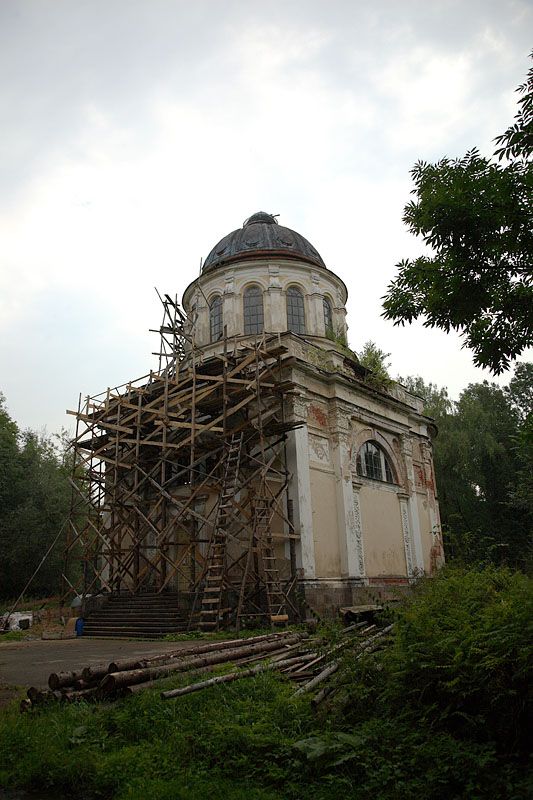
pixel 303 659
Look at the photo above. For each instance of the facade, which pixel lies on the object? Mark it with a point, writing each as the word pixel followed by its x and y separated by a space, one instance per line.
pixel 361 490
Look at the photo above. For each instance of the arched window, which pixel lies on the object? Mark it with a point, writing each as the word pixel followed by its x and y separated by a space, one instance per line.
pixel 215 318
pixel 328 315
pixel 373 462
pixel 295 310
pixel 253 310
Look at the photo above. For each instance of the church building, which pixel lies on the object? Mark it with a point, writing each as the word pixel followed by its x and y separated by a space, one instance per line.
pixel 362 489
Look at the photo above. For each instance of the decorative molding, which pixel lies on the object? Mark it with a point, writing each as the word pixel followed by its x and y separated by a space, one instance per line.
pixel 319 449
pixel 273 271
pixel 406 533
pixel 300 407
pixel 357 530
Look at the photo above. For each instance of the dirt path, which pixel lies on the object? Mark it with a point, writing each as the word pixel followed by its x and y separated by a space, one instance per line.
pixel 29 663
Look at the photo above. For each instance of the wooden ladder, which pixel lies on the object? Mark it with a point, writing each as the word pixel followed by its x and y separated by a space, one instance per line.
pixel 216 556
pixel 277 611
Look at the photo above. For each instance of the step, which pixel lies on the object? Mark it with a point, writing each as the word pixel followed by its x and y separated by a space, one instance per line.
pixel 144 596
pixel 131 634
pixel 138 607
pixel 177 620
pixel 126 630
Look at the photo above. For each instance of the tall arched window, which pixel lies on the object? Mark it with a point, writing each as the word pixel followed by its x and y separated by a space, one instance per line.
pixel 295 310
pixel 373 462
pixel 253 310
pixel 215 318
pixel 328 315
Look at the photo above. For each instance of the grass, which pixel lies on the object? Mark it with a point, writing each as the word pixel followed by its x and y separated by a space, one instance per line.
pixel 17 636
pixel 225 742
pixel 217 636
pixel 440 714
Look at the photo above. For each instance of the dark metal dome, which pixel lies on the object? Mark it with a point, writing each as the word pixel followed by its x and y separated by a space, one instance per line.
pixel 261 236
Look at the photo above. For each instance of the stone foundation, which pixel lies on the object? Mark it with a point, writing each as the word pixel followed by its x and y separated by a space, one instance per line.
pixel 326 598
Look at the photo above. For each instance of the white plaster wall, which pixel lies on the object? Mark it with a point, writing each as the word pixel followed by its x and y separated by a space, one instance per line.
pixel 274 278
pixel 382 533
pixel 326 534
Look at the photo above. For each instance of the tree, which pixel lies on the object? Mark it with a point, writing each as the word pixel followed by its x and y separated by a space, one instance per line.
pixel 437 402
pixel 34 502
pixel 476 217
pixel 520 390
pixel 375 360
pixel 483 464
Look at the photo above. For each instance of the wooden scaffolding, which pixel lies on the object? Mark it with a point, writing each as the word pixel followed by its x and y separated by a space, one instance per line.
pixel 180 483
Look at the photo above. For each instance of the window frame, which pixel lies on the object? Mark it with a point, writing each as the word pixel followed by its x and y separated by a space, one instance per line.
pixel 326 303
pixel 363 460
pixel 216 318
pixel 253 313
pixel 296 317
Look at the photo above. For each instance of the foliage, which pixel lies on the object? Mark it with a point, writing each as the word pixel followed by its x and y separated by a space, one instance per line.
pixel 440 714
pixel 437 402
pixel 339 337
pixel 520 390
pixel 34 502
pixel 476 217
pixel 517 141
pixel 375 360
pixel 455 678
pixel 483 463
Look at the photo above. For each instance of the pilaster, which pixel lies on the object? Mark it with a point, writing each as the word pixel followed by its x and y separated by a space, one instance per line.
pixel 275 314
pixel 348 505
pixel 230 309
pixel 407 534
pixel 300 489
pixel 412 505
pixel 315 324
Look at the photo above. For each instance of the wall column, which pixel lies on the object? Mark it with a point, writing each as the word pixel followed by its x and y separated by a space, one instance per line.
pixel 275 313
pixel 230 311
pixel 348 506
pixel 356 537
pixel 417 553
pixel 407 534
pixel 315 323
pixel 300 490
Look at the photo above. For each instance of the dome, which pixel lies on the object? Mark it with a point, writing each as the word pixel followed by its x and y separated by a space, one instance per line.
pixel 261 236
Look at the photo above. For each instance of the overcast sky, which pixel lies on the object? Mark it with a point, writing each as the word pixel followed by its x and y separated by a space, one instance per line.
pixel 134 134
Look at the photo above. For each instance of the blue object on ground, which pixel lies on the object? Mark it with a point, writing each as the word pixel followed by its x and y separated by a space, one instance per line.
pixel 80 622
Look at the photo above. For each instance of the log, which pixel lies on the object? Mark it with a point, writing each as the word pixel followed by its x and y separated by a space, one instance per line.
pixel 354 627
pixel 58 680
pixel 33 693
pixel 40 696
pixel 370 644
pixel 197 649
pixel 322 676
pixel 94 673
pixel 281 653
pixel 326 691
pixel 83 694
pixel 317 660
pixel 139 687
pixel 228 678
pixel 83 684
pixel 116 680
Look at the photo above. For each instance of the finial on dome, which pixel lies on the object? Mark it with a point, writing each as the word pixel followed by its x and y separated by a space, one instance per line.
pixel 261 216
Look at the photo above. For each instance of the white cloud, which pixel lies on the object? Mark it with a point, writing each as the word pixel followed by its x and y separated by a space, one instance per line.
pixel 132 148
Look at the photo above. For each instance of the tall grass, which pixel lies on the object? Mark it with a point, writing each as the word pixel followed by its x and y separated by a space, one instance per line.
pixel 440 714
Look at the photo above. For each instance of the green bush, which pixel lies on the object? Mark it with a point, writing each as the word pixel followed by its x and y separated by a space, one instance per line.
pixel 440 713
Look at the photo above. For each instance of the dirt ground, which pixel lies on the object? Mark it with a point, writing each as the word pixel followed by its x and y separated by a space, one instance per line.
pixel 29 663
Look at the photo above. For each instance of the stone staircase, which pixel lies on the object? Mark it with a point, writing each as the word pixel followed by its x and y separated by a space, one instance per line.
pixel 150 616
